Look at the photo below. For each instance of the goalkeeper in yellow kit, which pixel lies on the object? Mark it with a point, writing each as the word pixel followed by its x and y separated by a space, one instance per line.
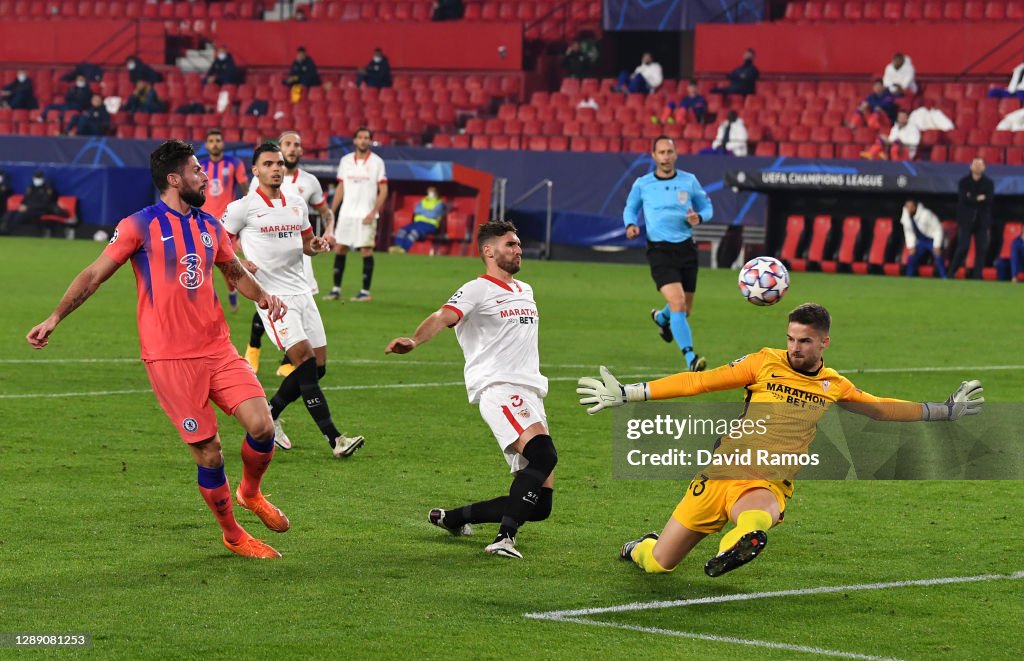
pixel 797 382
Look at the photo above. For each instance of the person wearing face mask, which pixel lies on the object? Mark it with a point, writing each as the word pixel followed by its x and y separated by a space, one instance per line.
pixel 224 71
pixel 377 73
pixel 19 94
pixel 40 200
pixel 78 98
pixel 742 79
pixel 426 219
pixel 139 70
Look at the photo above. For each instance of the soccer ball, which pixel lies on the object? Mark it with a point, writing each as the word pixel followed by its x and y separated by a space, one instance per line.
pixel 764 281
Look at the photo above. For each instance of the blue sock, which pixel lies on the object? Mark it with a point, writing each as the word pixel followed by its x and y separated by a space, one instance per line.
pixel 682 334
pixel 233 297
pixel 211 478
pixel 663 316
pixel 260 446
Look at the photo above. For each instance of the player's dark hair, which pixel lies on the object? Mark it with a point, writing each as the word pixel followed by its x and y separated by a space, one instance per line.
pixel 360 130
pixel 813 315
pixel 654 144
pixel 170 157
pixel 269 146
pixel 214 132
pixel 492 230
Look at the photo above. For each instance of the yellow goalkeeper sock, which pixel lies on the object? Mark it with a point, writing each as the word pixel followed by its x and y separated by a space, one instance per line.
pixel 643 556
pixel 748 521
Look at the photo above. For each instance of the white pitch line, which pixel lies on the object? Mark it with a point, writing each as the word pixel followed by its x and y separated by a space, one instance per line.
pixel 383 386
pixel 747 596
pixel 644 369
pixel 820 651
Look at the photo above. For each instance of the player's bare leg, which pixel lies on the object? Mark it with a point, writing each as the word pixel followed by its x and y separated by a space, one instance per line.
pixel 340 256
pixel 754 513
pixel 214 487
pixel 659 554
pixel 364 293
pixel 673 317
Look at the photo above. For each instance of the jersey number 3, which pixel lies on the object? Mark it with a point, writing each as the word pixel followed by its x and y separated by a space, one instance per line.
pixel 192 277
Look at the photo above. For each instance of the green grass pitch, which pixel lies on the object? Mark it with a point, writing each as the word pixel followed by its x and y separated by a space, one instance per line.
pixel 105 533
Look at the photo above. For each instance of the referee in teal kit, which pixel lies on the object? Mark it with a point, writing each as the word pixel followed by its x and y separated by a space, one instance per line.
pixel 673 203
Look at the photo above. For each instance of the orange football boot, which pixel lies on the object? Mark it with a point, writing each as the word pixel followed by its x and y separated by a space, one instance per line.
pixel 271 517
pixel 250 547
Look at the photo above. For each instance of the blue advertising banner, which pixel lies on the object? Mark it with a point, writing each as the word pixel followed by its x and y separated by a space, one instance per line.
pixel 676 15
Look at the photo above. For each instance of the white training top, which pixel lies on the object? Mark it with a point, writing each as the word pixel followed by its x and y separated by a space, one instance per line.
pixel 271 232
pixel 360 179
pixel 498 330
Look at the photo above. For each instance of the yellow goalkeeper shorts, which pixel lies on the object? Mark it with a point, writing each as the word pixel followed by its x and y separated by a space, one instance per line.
pixel 705 507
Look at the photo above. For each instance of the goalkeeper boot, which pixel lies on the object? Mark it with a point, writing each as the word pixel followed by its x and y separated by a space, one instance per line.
pixel 504 546
pixel 271 517
pixel 626 552
pixel 436 517
pixel 665 331
pixel 699 363
pixel 252 356
pixel 344 446
pixel 742 552
pixel 250 547
pixel 280 438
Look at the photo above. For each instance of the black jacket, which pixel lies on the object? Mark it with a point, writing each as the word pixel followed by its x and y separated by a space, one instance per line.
pixel 21 95
pixel 303 73
pixel 743 78
pixel 225 72
pixel 378 74
pixel 968 208
pixel 143 71
pixel 40 198
pixel 78 98
pixel 94 121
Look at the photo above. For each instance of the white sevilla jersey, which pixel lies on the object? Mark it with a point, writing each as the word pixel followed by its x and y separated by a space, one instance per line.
pixel 271 232
pixel 303 184
pixel 360 179
pixel 498 330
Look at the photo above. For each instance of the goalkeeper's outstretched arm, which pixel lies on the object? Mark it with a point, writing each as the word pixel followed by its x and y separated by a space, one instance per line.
pixel 431 326
pixel 965 400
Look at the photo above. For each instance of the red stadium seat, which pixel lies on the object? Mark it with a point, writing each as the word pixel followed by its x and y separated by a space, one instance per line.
pixel 813 11
pixel 853 11
pixel 832 10
pixel 913 10
pixel 794 11
pixel 892 10
pixel 876 253
pixel 932 10
pixel 790 243
pixel 954 10
pixel 847 247
pixel 873 10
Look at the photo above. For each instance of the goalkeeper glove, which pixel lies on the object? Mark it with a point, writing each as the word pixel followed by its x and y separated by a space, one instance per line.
pixel 608 392
pixel 967 400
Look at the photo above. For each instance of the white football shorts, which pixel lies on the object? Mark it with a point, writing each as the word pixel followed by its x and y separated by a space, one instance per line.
pixel 301 322
pixel 353 233
pixel 508 410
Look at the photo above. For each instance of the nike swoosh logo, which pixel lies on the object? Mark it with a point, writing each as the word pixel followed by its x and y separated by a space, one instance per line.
pixel 501 301
pixel 776 376
pixel 260 215
pixel 166 238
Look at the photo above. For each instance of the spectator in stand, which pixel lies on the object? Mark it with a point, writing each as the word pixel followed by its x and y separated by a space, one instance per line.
pixel 144 99
pixel 731 139
pixel 95 120
pixel 426 219
pixel 878 109
pixel 224 71
pixel 1015 88
pixel 139 70
pixel 5 193
pixel 923 236
pixel 303 71
pixel 973 217
pixel 645 79
pixel 78 98
pixel 742 79
pixel 90 71
pixel 575 61
pixel 901 145
pixel 1017 259
pixel 377 73
pixel 691 108
pixel 447 10
pixel 40 200
pixel 19 94
pixel 899 76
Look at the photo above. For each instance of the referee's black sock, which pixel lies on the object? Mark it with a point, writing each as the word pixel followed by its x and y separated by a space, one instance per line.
pixel 256 332
pixel 339 269
pixel 367 272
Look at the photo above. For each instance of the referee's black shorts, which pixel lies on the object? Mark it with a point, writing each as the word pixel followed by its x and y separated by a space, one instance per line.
pixel 673 262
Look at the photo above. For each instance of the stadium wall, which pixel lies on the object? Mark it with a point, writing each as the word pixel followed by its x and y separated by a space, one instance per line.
pixel 861 48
